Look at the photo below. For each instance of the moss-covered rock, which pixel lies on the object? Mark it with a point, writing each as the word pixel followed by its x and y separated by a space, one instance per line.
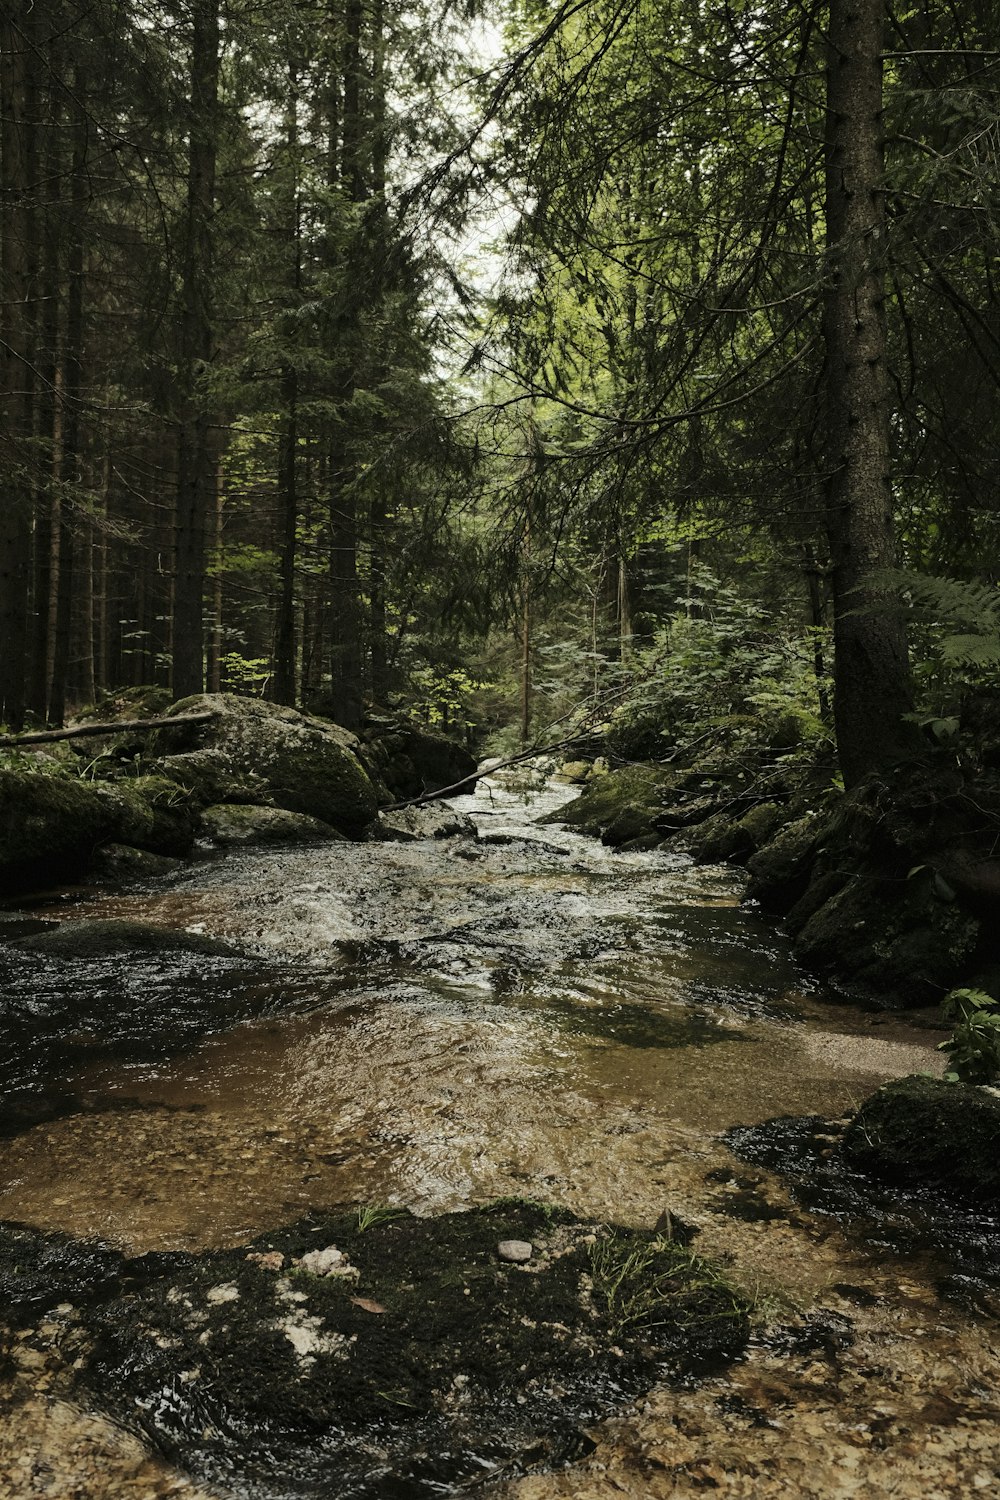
pixel 781 870
pixel 639 789
pixel 372 1353
pixel 925 1132
pixel 267 752
pixel 99 938
pixel 49 828
pixel 431 820
pixel 123 863
pixel 230 823
pixel 890 938
pixel 149 812
pixel 413 761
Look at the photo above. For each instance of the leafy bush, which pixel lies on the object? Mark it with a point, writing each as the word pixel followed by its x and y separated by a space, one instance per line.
pixel 974 1046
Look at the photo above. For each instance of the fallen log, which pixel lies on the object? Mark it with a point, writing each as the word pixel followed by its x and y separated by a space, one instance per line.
pixel 118 726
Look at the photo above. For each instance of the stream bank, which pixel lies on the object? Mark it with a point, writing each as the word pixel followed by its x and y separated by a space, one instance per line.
pixel 523 1013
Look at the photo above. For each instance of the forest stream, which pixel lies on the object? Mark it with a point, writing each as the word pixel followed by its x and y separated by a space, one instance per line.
pixel 438 1024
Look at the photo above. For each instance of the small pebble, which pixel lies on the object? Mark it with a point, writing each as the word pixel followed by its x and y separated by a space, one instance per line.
pixel 517 1251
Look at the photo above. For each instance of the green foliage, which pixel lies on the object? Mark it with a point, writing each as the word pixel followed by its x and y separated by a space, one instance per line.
pixel 722 664
pixel 246 675
pixel 974 1047
pixel 376 1213
pixel 637 1284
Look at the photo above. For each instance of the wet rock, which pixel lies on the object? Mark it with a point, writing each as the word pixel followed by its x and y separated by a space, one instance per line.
pixel 441 1361
pixel 149 812
pixel 574 772
pixel 515 1251
pixel 49 828
pixel 280 756
pixel 230 824
pixel 122 862
pixel 890 938
pixel 923 1131
pixel 627 799
pixel 98 939
pixel 412 761
pixel 431 820
pixel 780 871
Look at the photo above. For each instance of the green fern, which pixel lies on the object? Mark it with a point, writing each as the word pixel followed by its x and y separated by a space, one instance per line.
pixel 961 617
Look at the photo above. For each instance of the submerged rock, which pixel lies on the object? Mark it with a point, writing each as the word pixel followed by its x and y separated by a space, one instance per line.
pixel 440 1364
pixel 231 824
pixel 926 1132
pixel 98 939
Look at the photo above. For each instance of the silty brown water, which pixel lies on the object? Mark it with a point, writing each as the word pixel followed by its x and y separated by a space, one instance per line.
pixel 532 1014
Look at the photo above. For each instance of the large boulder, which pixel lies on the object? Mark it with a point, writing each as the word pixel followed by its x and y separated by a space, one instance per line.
pixel 625 801
pixel 412 762
pixel 231 824
pixel 925 1132
pixel 49 828
pixel 252 751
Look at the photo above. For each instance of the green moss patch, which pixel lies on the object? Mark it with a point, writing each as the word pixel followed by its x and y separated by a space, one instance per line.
pixel 430 1360
pixel 925 1131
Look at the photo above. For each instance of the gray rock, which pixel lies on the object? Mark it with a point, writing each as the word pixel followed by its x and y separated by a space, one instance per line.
pixel 232 823
pixel 288 759
pixel 516 1251
pixel 432 820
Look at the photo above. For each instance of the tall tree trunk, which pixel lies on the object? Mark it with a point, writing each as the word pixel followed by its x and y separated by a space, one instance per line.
pixel 872 691
pixel 215 637
pixel 48 410
pixel 345 594
pixel 72 367
pixel 288 441
pixel 194 455
pixel 16 393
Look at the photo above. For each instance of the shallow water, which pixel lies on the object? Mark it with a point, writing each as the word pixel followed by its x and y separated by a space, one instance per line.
pixel 437 1024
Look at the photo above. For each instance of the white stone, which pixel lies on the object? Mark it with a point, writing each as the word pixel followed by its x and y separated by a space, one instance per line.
pixel 517 1251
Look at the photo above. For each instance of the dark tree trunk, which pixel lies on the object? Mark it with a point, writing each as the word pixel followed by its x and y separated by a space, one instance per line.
pixel 345 594
pixel 288 441
pixel 72 365
pixel 871 668
pixel 194 454
pixel 16 386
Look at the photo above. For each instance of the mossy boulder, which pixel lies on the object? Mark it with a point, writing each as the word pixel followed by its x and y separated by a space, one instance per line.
pixel 925 1132
pixel 373 1353
pixel 229 823
pixel 891 939
pixel 149 812
pixel 634 794
pixel 781 870
pixel 99 938
pixel 263 751
pixel 412 760
pixel 49 828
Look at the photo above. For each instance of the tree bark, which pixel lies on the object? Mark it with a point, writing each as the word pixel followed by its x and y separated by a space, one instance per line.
pixel 871 668
pixel 288 440
pixel 194 455
pixel 16 393
pixel 72 366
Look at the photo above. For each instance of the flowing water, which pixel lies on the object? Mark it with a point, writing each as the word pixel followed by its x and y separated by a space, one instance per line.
pixel 436 1024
